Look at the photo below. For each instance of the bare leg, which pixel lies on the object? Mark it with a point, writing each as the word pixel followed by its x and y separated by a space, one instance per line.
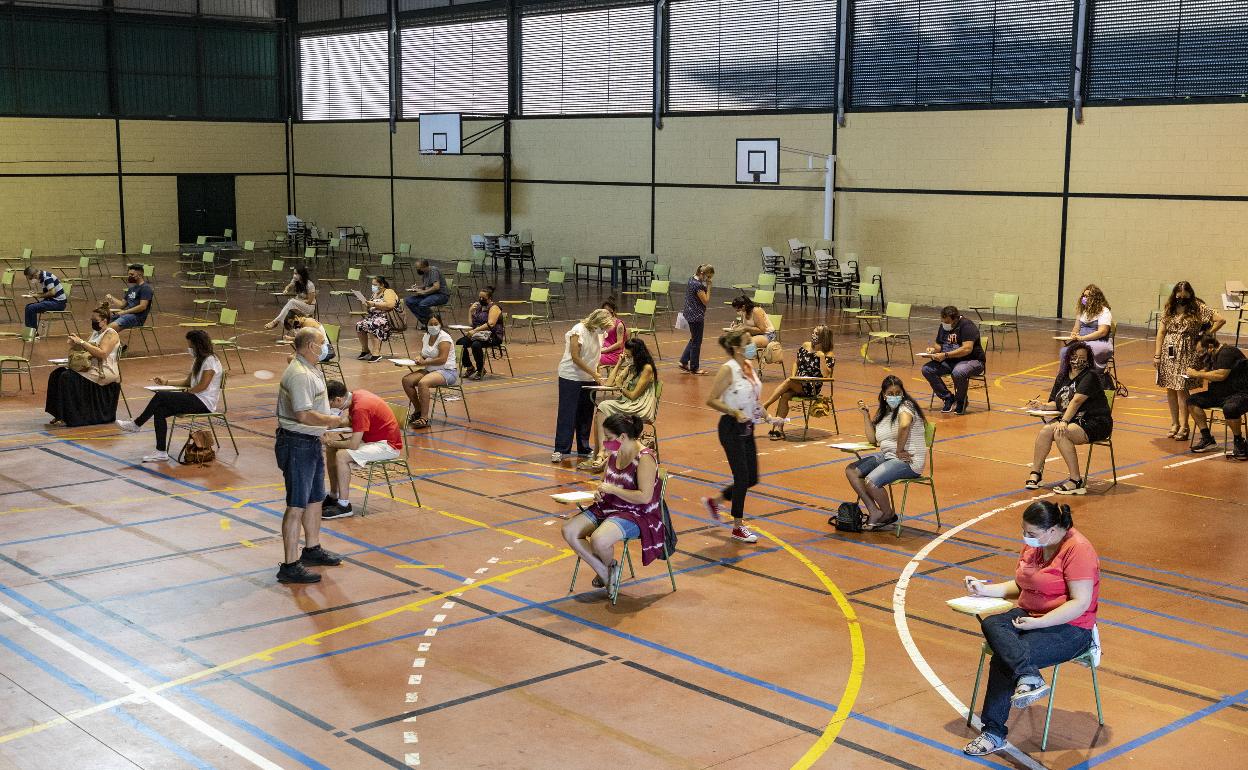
pixel 1181 398
pixel 1066 446
pixel 775 394
pixel 859 485
pixel 1044 442
pixel 424 391
pixel 363 338
pixel 312 524
pixel 595 432
pixel 292 519
pixel 339 464
pixel 1172 400
pixel 783 409
pixel 603 544
pixel 409 385
pixel 1198 417
pixel 575 533
pixel 883 504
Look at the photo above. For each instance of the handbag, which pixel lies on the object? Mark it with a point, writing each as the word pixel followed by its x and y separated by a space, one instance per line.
pixel 398 323
pixel 682 323
pixel 198 449
pixel 79 361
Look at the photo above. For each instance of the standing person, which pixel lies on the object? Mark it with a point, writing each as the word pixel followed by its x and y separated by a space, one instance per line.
pixel 88 396
pixel 814 359
pixel 1221 368
pixel 48 294
pixel 1057 583
pixel 374 437
pixel 435 367
pixel 898 430
pixel 617 335
pixel 202 395
pixel 428 294
pixel 1092 326
pixel 1079 395
pixel 304 288
pixel 697 298
pixel 302 417
pixel 486 319
pixel 135 304
pixel 577 369
pixel 374 328
pixel 1183 318
pixel 957 354
pixel 735 394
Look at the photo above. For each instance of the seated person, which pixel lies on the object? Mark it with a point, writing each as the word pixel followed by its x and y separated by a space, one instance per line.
pixel 202 395
pixel 374 328
pixel 1056 583
pixel 435 367
pixel 1092 325
pixel 304 290
pixel 898 430
pixel 85 392
pixel 1221 367
pixel 814 359
pixel 486 319
pixel 753 318
pixel 137 302
pixel 295 321
pixel 637 378
pixel 48 294
pixel 613 342
pixel 958 355
pixel 374 437
pixel 428 294
pixel 1085 417
pixel 628 504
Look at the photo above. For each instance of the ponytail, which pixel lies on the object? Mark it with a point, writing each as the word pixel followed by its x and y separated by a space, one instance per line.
pixel 1045 514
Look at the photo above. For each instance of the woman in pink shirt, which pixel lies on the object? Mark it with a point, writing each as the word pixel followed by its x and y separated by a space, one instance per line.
pixel 1056 583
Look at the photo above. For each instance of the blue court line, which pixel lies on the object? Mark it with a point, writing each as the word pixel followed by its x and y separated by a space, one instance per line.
pixel 111 527
pixel 123 716
pixel 1160 732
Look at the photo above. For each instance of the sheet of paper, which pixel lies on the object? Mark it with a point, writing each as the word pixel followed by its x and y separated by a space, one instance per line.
pixel 162 387
pixel 860 446
pixel 922 355
pixel 403 361
pixel 1043 412
pixel 359 296
pixel 979 605
pixel 459 327
pixel 574 497
pixel 58 360
pixel 1062 339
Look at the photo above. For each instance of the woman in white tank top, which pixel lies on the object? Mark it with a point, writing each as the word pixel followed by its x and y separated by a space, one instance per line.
pixel 898 429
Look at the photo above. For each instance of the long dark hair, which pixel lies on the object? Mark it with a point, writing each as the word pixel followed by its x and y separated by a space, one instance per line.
pixel 1074 348
pixel 821 339
pixel 1046 515
pixel 622 424
pixel 302 277
pixel 744 303
pixel 201 343
pixel 641 357
pixel 885 410
pixel 381 279
pixel 1172 304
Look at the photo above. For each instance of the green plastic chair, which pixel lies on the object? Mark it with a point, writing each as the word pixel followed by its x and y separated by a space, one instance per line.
pixel 928 479
pixel 538 296
pixel 894 313
pixel 1003 318
pixel 18 364
pixel 646 308
pixel 400 463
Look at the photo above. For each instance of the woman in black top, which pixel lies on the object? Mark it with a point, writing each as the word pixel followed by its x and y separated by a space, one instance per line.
pixel 1079 396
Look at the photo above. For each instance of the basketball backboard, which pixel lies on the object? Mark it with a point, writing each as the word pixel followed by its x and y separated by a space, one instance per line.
pixel 758 161
pixel 440 133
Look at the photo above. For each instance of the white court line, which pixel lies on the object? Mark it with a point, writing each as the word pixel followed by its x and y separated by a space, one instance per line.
pixel 903 625
pixel 142 693
pixel 1194 460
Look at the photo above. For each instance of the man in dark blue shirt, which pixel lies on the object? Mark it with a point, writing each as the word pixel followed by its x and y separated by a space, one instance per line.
pixel 957 354
pixel 137 302
pixel 47 292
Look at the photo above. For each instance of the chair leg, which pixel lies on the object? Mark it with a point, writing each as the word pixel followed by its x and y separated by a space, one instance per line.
pixel 1113 464
pixel 628 556
pixel 463 397
pixel 575 569
pixel 979 673
pixel 411 480
pixel 901 514
pixel 672 577
pixel 385 471
pixel 935 505
pixel 230 432
pixel 368 487
pixel 1096 691
pixel 1048 712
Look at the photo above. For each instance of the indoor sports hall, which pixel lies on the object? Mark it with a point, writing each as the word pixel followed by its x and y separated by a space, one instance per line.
pixel 582 383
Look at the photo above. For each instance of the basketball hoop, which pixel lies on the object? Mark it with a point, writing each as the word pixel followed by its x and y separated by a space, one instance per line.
pixel 758 176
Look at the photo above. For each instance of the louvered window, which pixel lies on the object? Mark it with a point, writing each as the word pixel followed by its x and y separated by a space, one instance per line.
pixel 1164 49
pixel 459 67
pixel 53 67
pixel 918 52
pixel 752 55
pixel 598 60
pixel 345 76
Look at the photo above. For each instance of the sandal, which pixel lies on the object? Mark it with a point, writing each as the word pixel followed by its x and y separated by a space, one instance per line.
pixel 878 525
pixel 1072 487
pixel 1034 483
pixel 1183 435
pixel 1174 429
pixel 684 368
pixel 597 582
pixel 986 743
pixel 419 422
pixel 701 372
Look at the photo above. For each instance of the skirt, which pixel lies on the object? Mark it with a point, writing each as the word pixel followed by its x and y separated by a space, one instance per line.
pixel 377 325
pixel 76 400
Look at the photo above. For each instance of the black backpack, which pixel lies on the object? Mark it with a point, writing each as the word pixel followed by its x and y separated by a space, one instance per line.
pixel 848 518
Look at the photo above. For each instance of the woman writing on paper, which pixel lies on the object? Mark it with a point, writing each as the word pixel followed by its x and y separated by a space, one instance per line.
pixel 1083 416
pixel 437 369
pixel 1056 583
pixel 202 394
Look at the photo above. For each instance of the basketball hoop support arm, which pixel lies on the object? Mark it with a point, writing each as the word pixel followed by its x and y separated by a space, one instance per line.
pixel 829 182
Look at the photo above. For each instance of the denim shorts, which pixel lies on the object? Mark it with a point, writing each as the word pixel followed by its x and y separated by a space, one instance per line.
pixel 627 526
pixel 882 471
pixel 128 321
pixel 451 376
pixel 301 457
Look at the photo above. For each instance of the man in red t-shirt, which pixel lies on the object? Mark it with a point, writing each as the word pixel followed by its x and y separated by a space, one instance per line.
pixel 374 435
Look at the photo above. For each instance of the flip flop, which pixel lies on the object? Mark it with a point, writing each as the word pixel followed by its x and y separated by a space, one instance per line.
pixel 701 372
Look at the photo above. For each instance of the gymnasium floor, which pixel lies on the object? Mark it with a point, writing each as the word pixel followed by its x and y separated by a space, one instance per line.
pixel 142 625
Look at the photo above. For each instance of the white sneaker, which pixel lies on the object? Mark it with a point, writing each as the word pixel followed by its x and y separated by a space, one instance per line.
pixel 157 457
pixel 128 426
pixel 556 457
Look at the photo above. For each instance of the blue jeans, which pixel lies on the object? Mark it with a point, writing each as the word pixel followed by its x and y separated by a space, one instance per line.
pixel 1017 654
pixel 301 456
pixel 961 372
pixel 692 356
pixel 882 471
pixel 129 321
pixel 35 308
pixel 422 306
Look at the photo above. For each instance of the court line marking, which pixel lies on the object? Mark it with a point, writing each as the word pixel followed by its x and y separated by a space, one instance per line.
pixel 903 625
pixel 141 693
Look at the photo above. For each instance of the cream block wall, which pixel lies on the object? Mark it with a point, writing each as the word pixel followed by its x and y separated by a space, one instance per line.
pixel 193 147
pixel 702 150
pixel 1196 149
pixel 151 212
pixel 331 202
pixel 53 215
pixel 582 149
pixel 260 202
pixel 942 249
pixel 1018 150
pixel 342 148
pixel 437 217
pixel 1129 247
pixel 582 221
pixel 50 146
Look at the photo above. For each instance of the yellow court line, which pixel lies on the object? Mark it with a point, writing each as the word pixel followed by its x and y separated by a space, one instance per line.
pixel 996 383
pixel 472 521
pixel 267 655
pixel 857 665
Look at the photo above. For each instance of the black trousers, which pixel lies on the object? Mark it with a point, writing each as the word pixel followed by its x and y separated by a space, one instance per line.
pixel 576 414
pixel 737 439
pixel 478 350
pixel 165 404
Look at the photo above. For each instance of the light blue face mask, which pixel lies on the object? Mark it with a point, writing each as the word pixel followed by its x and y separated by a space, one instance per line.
pixel 1033 542
pixel 751 350
pixel 893 401
pixel 324 350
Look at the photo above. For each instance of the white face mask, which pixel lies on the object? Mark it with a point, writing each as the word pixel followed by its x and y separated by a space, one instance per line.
pixel 946 327
pixel 434 329
pixel 190 352
pixel 376 289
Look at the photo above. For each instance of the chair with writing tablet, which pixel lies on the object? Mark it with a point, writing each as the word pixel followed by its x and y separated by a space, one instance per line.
pixel 399 464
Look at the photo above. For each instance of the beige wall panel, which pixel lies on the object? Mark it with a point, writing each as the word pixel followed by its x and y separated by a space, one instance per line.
pixel 582 221
pixel 1129 247
pixel 151 212
pixel 342 148
pixel 703 150
pixel 261 205
pixel 590 149
pixel 53 215
pixel 194 147
pixel 438 218
pixel 409 162
pixel 330 202
pixel 1193 149
pixel 47 146
pixel 944 249
pixel 1021 150
pixel 728 227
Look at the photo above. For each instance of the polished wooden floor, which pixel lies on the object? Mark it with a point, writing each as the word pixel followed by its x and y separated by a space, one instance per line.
pixel 143 627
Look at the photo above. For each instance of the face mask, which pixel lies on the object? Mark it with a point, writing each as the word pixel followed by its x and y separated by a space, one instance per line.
pixel 1032 542
pixel 1078 365
pixel 95 325
pixel 434 329
pixel 611 446
pixel 1083 301
pixel 483 301
pixel 324 350
pixel 190 352
pixel 946 327
pixel 131 279
pixel 893 401
pixel 751 350
pixel 814 336
pixel 376 289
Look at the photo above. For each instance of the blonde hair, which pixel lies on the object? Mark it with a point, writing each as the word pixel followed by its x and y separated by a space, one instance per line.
pixel 600 319
pixel 707 269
